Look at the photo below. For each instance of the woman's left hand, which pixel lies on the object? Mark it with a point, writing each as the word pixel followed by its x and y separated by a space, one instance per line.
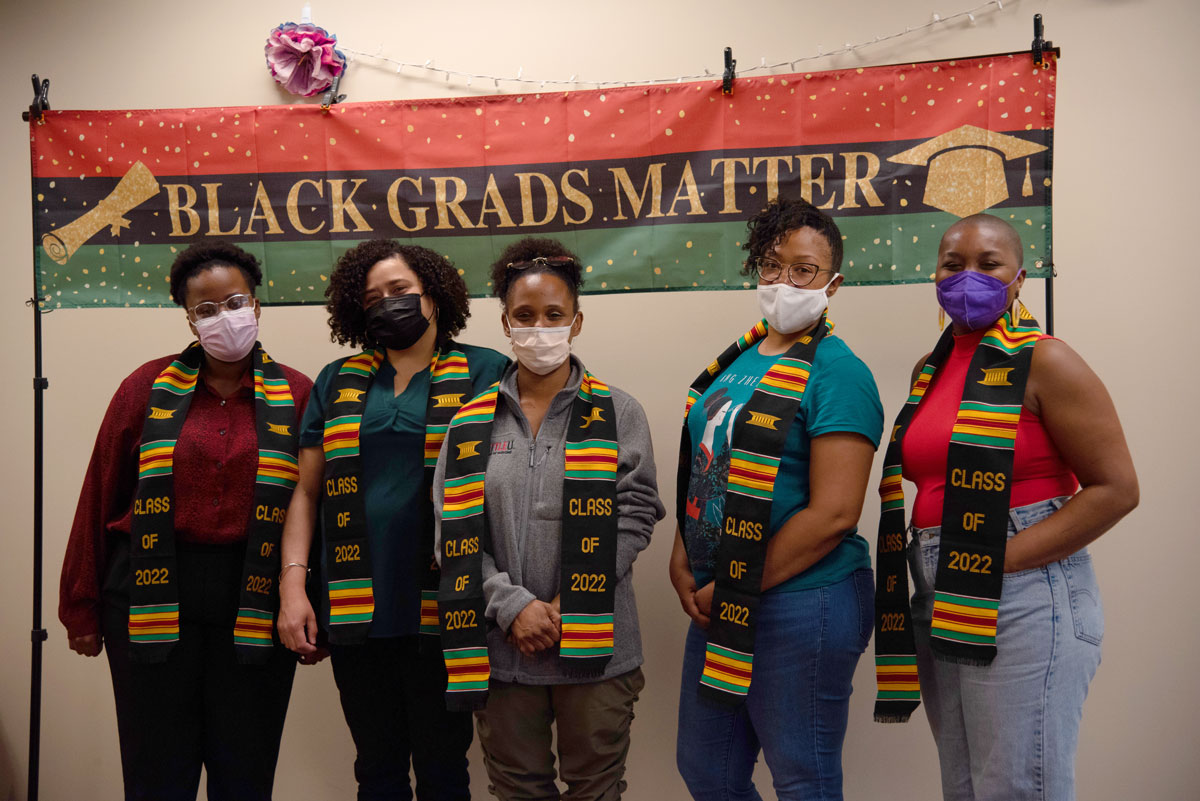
pixel 316 656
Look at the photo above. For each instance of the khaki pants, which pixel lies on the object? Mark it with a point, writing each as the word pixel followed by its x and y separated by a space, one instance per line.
pixel 593 738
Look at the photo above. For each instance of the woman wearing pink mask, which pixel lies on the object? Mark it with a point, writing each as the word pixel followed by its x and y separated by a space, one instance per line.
pixel 776 452
pixel 538 617
pixel 1019 462
pixel 171 563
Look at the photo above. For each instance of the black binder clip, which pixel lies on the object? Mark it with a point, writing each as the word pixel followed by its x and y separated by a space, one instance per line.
pixel 41 101
pixel 727 79
pixel 1040 46
pixel 332 96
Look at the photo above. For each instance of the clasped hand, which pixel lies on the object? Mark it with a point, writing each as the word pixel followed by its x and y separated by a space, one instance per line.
pixel 537 627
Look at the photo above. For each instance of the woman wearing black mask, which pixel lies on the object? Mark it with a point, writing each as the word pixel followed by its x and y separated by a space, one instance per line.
pixel 368 445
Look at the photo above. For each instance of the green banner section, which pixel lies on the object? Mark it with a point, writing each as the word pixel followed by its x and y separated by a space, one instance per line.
pixel 615 260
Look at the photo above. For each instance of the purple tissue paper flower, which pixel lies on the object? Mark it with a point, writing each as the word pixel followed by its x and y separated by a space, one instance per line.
pixel 302 58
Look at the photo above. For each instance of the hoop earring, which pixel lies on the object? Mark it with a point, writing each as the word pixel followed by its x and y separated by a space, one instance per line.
pixel 941 319
pixel 1024 312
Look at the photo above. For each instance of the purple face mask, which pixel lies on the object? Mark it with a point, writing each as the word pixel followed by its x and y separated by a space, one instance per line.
pixel 974 300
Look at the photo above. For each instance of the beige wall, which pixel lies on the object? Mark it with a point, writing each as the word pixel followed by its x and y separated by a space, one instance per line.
pixel 1126 249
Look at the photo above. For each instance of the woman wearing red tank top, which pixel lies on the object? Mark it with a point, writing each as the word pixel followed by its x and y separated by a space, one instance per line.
pixel 1005 613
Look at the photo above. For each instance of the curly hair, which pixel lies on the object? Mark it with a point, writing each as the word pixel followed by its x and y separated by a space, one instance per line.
pixel 771 226
pixel 206 255
pixel 439 280
pixel 527 249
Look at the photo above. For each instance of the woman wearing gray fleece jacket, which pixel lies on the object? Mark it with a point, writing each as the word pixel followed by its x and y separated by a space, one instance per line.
pixel 531 685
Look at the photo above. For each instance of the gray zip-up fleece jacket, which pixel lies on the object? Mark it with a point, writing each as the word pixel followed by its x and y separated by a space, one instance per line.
pixel 523 502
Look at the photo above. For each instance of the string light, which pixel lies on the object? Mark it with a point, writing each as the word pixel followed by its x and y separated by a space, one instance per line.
pixel 763 66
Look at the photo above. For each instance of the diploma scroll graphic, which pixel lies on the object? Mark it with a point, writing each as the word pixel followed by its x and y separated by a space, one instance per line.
pixel 135 188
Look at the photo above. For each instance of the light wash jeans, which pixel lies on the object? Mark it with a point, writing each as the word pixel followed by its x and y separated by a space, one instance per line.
pixel 806 646
pixel 1008 731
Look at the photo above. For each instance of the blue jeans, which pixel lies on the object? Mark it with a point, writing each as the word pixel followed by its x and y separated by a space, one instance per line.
pixel 805 650
pixel 1008 731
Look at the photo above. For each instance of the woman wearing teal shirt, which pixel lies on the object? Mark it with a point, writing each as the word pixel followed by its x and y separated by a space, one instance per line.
pixel 776 454
pixel 368 442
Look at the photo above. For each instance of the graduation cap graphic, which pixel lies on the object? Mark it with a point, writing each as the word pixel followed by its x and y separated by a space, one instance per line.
pixel 966 168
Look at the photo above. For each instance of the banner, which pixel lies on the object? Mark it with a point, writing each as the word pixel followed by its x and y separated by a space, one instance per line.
pixel 651 186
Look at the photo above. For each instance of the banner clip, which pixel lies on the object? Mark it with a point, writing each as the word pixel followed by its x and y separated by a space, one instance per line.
pixel 727 80
pixel 1040 46
pixel 332 95
pixel 41 101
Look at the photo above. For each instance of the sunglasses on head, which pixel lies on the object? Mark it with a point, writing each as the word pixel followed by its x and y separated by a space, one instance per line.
pixel 553 262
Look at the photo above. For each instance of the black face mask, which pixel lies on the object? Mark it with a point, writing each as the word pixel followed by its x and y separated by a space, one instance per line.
pixel 396 322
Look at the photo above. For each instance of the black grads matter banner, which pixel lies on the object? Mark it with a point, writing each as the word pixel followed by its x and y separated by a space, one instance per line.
pixel 651 186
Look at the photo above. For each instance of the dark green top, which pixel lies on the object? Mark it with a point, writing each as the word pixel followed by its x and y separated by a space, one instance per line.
pixel 392 442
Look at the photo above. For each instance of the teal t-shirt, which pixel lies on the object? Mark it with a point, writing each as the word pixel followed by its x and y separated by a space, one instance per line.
pixel 392 442
pixel 840 397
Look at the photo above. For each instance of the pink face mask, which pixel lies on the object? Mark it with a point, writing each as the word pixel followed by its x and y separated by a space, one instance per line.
pixel 230 335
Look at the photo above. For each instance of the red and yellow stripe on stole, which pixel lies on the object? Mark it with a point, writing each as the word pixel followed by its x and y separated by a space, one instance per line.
pixel 364 364
pixel 462 496
pixel 156 458
pixel 451 365
pixel 586 635
pixel 1011 338
pixel 277 467
pixel 753 335
pixel 480 409
pixel 177 378
pixel 275 391
pixel 466 669
pixel 341 436
pixel 692 397
pixel 921 384
pixel 253 627
pixel 429 612
pixel 726 669
pixel 591 459
pixel 986 424
pixel 351 601
pixel 786 378
pixel 434 437
pixel 752 474
pixel 964 618
pixel 896 677
pixel 154 623
pixel 891 488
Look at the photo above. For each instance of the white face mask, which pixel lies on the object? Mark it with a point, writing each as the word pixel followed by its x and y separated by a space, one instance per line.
pixel 541 350
pixel 789 309
pixel 230 335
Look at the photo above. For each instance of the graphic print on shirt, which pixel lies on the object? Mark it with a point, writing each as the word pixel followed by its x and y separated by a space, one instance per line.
pixel 710 471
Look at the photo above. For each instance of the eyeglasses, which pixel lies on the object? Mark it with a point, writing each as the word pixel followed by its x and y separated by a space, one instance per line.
pixel 207 309
pixel 553 262
pixel 799 275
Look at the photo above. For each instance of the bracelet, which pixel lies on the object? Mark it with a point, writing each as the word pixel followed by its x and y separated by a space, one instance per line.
pixel 294 564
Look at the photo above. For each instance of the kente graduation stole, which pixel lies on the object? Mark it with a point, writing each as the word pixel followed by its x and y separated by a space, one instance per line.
pixel 154 596
pixel 589 542
pixel 343 510
pixel 759 434
pixel 974 518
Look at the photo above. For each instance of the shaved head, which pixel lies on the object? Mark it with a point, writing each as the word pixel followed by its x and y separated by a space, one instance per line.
pixel 1008 235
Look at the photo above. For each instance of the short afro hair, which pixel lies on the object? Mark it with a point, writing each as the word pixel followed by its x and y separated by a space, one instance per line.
pixel 528 249
pixel 771 226
pixel 439 280
pixel 206 255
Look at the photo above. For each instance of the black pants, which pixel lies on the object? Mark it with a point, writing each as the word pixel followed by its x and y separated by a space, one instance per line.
pixel 393 697
pixel 200 707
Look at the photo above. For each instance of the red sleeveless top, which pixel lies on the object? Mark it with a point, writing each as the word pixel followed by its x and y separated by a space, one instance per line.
pixel 1039 472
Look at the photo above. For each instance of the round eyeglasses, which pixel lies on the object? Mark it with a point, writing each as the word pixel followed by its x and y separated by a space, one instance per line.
pixel 799 275
pixel 207 309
